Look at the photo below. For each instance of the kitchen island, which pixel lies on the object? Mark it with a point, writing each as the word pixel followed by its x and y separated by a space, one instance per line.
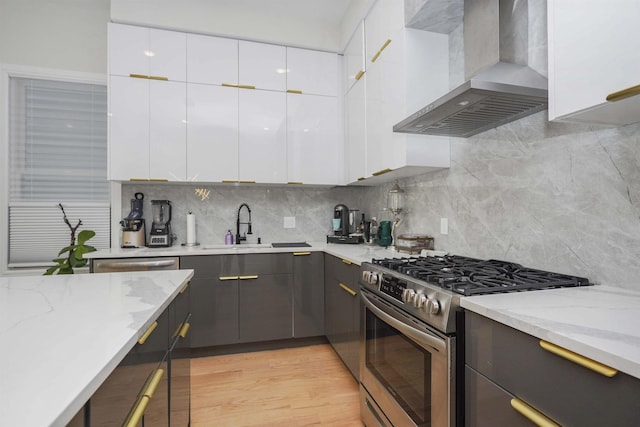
pixel 63 335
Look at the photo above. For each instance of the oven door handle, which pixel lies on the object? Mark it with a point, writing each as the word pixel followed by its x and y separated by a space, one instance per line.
pixel 420 337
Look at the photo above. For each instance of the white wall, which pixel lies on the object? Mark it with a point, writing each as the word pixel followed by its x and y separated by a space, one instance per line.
pixel 61 34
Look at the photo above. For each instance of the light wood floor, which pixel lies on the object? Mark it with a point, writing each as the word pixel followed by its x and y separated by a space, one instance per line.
pixel 303 386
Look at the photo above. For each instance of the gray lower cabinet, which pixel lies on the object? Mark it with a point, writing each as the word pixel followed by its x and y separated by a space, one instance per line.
pixel 342 310
pixel 240 298
pixel 308 294
pixel 507 369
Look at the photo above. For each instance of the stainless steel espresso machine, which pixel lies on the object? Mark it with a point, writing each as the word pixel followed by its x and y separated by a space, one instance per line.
pixel 133 229
pixel 160 235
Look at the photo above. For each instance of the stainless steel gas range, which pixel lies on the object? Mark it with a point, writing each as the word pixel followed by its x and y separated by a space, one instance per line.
pixel 409 371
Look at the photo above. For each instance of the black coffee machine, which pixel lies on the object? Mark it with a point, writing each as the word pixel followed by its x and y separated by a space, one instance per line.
pixel 340 226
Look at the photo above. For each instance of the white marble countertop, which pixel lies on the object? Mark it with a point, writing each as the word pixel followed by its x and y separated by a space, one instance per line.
pixel 599 322
pixel 356 253
pixel 63 335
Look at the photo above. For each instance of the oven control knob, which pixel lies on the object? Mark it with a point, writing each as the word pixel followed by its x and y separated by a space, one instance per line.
pixel 420 300
pixel 407 295
pixel 374 278
pixel 433 306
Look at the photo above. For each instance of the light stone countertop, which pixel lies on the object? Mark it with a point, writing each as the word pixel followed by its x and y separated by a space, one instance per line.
pixel 63 335
pixel 356 253
pixel 599 322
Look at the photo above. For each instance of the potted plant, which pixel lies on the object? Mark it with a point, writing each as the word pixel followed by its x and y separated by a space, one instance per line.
pixel 74 252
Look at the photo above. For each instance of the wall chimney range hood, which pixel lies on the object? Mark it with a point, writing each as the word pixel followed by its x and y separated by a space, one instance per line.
pixel 500 86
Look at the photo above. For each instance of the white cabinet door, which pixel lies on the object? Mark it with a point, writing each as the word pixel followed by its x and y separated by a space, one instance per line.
pixel 312 72
pixel 128 128
pixel 354 64
pixel 212 60
pixel 314 145
pixel 147 52
pixel 212 130
pixel 355 131
pixel 167 130
pixel 593 51
pixel 263 66
pixel 262 136
pixel 381 25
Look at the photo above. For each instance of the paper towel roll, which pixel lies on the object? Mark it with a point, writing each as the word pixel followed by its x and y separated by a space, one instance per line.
pixel 191 229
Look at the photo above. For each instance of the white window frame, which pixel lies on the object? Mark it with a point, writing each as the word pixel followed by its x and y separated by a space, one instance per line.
pixel 8 71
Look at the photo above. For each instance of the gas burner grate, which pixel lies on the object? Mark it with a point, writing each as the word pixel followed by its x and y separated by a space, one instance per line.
pixel 471 276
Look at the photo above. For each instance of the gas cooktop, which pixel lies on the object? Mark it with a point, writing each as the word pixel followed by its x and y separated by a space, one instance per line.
pixel 470 276
pixel 430 287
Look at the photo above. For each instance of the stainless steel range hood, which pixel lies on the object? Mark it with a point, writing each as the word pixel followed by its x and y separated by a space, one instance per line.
pixel 500 86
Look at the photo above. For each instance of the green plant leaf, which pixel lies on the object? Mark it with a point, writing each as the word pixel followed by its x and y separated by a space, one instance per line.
pixel 85 235
pixel 80 251
pixel 66 249
pixel 51 270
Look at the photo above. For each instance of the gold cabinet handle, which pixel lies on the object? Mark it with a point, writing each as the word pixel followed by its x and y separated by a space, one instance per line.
pixel 579 359
pixel 252 277
pixel 301 253
pixel 531 414
pixel 246 87
pixel 229 181
pixel 149 179
pixel 362 178
pixel 229 85
pixel 348 289
pixel 382 172
pixel 134 417
pixel 143 76
pixel 152 383
pixel 184 330
pixel 624 93
pixel 147 333
pixel 185 287
pixel 246 181
pixel 299 92
pixel 359 75
pixel 159 78
pixel 384 46
pixel 223 278
pixel 346 261
pixel 294 182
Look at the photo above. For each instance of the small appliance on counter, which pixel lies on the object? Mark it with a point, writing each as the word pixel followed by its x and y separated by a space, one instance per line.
pixel 341 223
pixel 160 236
pixel 413 243
pixel 133 229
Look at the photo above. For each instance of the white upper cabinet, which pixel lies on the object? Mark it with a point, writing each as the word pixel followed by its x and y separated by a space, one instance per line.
pixel 262 66
pixel 212 60
pixel 354 64
pixel 312 72
pixel 262 136
pixel 356 131
pixel 594 50
pixel 147 52
pixel 408 69
pixel 212 128
pixel 314 143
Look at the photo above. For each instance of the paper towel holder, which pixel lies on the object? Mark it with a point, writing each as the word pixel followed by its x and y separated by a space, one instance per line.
pixel 190 224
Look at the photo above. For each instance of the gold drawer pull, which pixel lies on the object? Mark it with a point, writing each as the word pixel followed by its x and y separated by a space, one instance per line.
pixel 149 179
pixel 252 277
pixel 139 76
pixel 299 92
pixel 382 172
pixel 184 330
pixel 359 75
pixel 384 46
pixel 134 417
pixel 301 253
pixel 159 78
pixel 246 87
pixel 579 359
pixel 229 181
pixel 229 85
pixel 348 289
pixel 362 178
pixel 531 414
pixel 624 93
pixel 246 181
pixel 148 332
pixel 346 261
pixel 152 383
pixel 185 287
pixel 223 278
pixel 294 182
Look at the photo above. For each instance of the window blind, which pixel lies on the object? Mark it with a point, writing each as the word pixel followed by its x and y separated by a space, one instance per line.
pixel 57 154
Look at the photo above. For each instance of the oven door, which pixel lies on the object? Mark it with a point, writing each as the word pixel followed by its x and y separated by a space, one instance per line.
pixel 406 368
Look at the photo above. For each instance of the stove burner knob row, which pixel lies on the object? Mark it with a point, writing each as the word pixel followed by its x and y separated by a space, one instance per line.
pixel 407 295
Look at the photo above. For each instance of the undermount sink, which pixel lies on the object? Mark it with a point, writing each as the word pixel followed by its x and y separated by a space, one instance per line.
pixel 236 247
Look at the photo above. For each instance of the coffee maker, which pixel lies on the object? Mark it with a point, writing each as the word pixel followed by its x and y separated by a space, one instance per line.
pixel 341 225
pixel 160 235
pixel 133 229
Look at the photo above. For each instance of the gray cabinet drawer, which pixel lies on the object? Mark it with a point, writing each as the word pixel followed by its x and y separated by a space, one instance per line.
pixel 570 394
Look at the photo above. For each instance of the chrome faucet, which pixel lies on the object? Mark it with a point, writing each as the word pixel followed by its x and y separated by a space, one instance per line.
pixel 238 237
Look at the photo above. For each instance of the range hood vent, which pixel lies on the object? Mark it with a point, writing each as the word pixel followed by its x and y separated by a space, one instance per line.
pixel 503 91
